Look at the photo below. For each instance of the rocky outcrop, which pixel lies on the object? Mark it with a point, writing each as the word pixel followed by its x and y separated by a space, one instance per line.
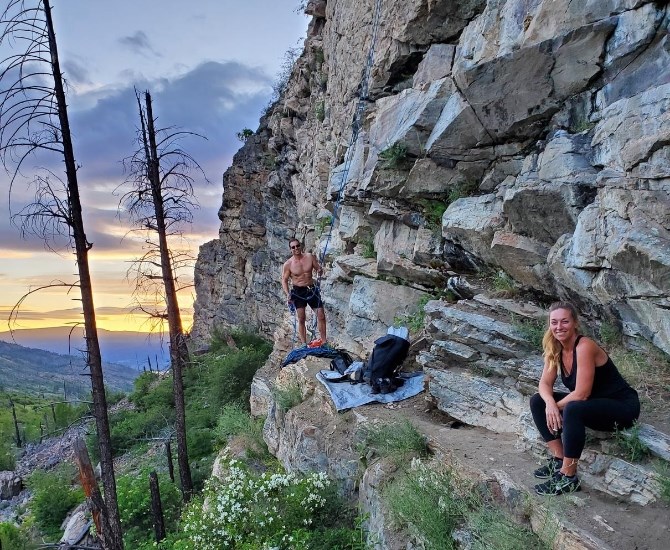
pixel 524 139
pixel 10 485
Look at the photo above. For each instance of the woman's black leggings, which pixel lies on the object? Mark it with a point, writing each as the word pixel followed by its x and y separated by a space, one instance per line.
pixel 599 413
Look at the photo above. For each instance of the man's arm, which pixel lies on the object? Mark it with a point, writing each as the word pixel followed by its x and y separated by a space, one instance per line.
pixel 285 276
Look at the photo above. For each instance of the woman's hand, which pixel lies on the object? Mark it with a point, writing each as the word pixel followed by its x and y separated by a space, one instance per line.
pixel 554 419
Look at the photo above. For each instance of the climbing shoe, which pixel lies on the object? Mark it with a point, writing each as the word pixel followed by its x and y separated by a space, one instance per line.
pixel 559 484
pixel 552 466
pixel 316 343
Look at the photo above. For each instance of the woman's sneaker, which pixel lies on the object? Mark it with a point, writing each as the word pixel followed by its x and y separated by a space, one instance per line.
pixel 559 484
pixel 552 466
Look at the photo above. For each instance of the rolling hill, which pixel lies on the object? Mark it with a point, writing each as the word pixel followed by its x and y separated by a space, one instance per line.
pixel 132 349
pixel 37 371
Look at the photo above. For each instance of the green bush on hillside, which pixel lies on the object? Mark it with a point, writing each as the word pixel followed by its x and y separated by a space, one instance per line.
pixel 135 506
pixel 53 497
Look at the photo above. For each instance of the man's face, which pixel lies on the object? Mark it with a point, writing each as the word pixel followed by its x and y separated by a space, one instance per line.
pixel 296 248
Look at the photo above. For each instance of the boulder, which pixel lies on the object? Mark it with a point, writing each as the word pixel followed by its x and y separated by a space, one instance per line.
pixel 471 222
pixel 10 485
pixel 476 401
pixel 631 129
pixel 370 312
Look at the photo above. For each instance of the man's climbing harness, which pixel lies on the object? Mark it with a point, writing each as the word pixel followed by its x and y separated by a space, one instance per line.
pixel 355 130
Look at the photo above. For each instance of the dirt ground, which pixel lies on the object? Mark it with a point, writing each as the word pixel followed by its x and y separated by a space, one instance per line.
pixel 620 525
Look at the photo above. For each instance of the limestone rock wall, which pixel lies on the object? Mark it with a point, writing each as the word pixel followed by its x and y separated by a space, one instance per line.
pixel 528 136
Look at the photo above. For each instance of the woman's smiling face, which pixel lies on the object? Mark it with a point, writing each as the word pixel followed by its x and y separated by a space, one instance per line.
pixel 562 324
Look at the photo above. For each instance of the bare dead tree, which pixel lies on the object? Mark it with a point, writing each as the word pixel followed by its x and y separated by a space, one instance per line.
pixel 34 123
pixel 160 202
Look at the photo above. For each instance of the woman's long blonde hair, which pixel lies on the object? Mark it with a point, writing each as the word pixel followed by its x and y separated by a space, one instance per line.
pixel 552 347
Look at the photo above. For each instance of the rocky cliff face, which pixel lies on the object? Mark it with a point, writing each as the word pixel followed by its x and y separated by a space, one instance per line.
pixel 543 127
pixel 523 140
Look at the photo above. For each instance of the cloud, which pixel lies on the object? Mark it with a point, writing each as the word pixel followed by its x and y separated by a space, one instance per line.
pixel 76 73
pixel 139 43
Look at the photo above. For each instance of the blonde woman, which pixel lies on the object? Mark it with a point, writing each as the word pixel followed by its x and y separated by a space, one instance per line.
pixel 599 398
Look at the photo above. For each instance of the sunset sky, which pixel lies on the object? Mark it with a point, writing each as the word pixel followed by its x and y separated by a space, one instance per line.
pixel 209 65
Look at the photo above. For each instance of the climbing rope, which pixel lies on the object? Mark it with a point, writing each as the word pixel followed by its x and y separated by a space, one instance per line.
pixel 355 127
pixel 348 158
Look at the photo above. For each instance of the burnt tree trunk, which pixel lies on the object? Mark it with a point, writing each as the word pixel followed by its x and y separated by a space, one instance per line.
pixel 168 455
pixel 90 487
pixel 16 425
pixel 113 538
pixel 156 507
pixel 178 351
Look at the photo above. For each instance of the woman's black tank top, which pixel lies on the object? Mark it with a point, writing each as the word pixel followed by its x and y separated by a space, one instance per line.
pixel 607 381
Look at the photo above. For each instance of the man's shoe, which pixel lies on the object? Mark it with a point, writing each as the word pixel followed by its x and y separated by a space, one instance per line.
pixel 559 484
pixel 552 466
pixel 316 343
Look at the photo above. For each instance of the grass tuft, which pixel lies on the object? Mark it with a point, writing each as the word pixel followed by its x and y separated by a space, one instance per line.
pixel 630 444
pixel 288 396
pixel 397 440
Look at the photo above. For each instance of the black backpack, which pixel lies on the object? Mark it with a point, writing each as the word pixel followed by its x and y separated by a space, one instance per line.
pixel 384 363
pixel 341 362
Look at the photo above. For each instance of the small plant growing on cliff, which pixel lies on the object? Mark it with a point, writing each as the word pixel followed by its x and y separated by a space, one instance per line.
pixel 394 156
pixel 322 224
pixel 610 334
pixel 415 321
pixel 632 447
pixel 462 189
pixel 433 212
pixel 288 396
pixel 244 134
pixel 397 440
pixel 320 111
pixel 663 472
pixel 368 249
pixel 531 329
pixel 504 285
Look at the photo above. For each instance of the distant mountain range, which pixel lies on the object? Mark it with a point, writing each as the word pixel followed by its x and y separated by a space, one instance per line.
pixel 132 349
pixel 37 371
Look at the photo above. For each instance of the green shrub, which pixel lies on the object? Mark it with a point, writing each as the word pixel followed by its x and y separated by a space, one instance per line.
pixel 53 497
pixel 7 455
pixel 504 284
pixel 610 335
pixel 433 212
pixel 415 321
pixel 428 504
pixel 394 156
pixel 491 528
pixel 12 538
pixel 251 511
pixel 663 472
pixel 134 499
pixel 244 134
pixel 322 224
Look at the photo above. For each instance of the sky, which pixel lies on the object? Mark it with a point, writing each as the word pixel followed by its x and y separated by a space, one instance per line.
pixel 209 65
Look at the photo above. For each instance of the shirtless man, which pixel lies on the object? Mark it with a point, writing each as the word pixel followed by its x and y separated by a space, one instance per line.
pixel 298 268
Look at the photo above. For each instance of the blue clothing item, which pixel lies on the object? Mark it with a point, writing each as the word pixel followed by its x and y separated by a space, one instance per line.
pixel 300 353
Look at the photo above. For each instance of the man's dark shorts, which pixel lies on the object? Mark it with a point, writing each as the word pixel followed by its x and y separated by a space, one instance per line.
pixel 303 295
